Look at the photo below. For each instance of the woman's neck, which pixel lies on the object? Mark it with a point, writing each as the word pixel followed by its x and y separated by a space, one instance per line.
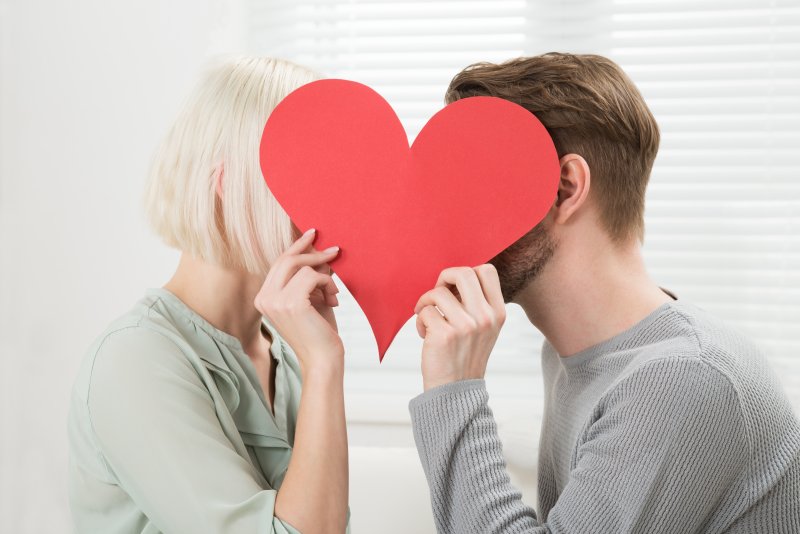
pixel 223 297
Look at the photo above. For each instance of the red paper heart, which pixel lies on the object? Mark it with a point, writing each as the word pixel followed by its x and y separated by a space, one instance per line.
pixel 481 173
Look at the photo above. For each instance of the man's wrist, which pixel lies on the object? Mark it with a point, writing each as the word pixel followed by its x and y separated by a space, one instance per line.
pixel 431 399
pixel 429 383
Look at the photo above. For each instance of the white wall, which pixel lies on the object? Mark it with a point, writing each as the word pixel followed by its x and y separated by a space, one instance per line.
pixel 87 89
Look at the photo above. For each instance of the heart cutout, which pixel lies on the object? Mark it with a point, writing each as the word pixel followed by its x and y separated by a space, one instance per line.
pixel 481 173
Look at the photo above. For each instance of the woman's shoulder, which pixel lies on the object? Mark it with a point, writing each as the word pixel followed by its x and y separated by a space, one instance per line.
pixel 133 356
pixel 139 339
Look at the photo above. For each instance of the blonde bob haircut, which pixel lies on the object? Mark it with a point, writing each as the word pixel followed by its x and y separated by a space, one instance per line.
pixel 205 194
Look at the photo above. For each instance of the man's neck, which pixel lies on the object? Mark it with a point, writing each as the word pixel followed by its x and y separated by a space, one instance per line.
pixel 589 294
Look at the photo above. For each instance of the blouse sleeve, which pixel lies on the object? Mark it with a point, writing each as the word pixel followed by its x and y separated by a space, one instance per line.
pixel 159 435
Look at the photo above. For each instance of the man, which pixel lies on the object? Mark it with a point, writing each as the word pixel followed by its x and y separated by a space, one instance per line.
pixel 658 417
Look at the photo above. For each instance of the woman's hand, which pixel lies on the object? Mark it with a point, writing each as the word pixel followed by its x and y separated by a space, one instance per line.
pixel 297 297
pixel 459 328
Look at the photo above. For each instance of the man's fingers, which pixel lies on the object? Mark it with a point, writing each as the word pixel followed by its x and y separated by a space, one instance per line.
pixel 490 284
pixel 466 282
pixel 429 318
pixel 448 304
pixel 421 330
pixel 440 297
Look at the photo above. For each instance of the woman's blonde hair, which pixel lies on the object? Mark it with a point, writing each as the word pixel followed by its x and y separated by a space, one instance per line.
pixel 219 131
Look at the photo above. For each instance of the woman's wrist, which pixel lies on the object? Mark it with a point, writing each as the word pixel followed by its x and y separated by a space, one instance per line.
pixel 325 369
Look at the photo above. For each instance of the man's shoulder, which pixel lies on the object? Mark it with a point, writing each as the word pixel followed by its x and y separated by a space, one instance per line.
pixel 689 347
pixel 770 421
pixel 728 350
pixel 685 332
pixel 707 346
pixel 715 335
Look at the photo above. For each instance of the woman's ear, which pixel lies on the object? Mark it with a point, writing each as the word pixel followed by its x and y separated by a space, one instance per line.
pixel 219 172
pixel 573 187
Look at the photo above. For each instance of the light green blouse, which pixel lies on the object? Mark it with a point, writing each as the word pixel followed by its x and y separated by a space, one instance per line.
pixel 169 430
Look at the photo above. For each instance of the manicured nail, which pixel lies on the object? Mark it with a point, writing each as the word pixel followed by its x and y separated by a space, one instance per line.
pixel 310 231
pixel 331 249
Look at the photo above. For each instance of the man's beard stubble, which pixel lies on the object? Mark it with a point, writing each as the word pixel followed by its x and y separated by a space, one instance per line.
pixel 518 265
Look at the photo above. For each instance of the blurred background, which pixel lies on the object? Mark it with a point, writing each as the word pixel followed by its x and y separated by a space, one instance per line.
pixel 87 89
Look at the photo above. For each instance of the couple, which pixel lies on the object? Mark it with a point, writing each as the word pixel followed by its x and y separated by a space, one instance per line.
pixel 193 414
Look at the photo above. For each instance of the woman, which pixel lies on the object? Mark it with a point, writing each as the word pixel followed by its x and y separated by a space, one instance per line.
pixel 187 415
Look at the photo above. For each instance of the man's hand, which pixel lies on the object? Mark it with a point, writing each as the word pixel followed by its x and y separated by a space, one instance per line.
pixel 459 320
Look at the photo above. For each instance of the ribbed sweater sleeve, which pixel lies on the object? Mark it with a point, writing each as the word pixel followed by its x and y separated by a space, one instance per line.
pixel 657 455
pixel 462 457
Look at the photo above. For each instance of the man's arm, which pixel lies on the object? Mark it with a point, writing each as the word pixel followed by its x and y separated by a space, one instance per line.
pixel 658 454
pixel 461 454
pixel 454 429
pixel 667 444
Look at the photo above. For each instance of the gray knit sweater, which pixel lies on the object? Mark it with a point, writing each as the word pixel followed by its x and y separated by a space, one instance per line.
pixel 676 425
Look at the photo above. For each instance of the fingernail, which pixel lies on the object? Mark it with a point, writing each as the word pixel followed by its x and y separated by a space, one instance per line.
pixel 310 231
pixel 331 249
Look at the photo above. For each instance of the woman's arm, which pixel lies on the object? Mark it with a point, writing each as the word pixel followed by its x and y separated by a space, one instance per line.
pixel 314 494
pixel 297 297
pixel 160 436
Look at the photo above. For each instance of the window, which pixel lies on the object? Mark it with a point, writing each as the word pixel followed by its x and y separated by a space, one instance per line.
pixel 722 78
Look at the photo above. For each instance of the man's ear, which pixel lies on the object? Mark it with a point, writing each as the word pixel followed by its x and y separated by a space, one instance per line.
pixel 218 175
pixel 573 187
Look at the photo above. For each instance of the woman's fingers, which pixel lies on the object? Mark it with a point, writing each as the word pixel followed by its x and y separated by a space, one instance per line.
pixel 323 268
pixel 302 243
pixel 300 257
pixel 331 299
pixel 288 264
pixel 307 280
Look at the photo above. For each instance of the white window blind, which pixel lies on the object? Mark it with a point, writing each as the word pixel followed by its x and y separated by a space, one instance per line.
pixel 722 78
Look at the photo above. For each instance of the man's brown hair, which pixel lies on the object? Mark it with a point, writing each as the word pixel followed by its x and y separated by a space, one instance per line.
pixel 591 108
